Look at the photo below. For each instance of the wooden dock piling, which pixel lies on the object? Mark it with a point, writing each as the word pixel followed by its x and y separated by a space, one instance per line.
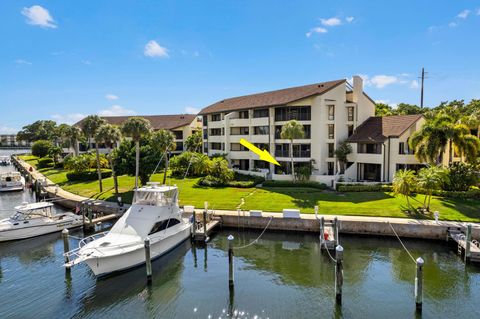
pixel 468 239
pixel 338 273
pixel 419 284
pixel 148 260
pixel 335 231
pixel 230 261
pixel 66 244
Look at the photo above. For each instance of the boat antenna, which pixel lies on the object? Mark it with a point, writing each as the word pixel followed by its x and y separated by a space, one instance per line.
pixel 158 164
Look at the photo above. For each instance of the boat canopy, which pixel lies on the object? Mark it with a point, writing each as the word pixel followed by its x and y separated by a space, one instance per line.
pixel 155 196
pixel 34 210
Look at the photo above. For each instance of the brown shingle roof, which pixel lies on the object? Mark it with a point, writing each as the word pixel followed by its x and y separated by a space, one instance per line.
pixel 271 98
pixel 379 128
pixel 166 122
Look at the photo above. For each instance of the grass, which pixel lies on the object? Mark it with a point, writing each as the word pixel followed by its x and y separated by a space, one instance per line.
pixel 274 199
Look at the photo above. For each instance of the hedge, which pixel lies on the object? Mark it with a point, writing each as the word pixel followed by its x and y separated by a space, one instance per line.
pixel 45 162
pixel 241 181
pixel 364 188
pixel 89 175
pixel 308 184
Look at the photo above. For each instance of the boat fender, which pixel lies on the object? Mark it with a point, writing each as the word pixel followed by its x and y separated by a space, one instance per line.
pixel 325 235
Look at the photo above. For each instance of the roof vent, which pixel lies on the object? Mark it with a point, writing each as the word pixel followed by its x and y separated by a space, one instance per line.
pixel 222 101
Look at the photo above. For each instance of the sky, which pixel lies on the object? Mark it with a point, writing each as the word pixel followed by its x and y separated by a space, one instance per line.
pixel 62 60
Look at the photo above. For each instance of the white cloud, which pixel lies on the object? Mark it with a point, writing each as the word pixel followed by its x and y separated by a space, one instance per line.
pixel 86 62
pixel 452 24
pixel 464 14
pixel 381 81
pixel 330 22
pixel 37 15
pixel 21 61
pixel 349 19
pixel 478 12
pixel 111 97
pixel 153 49
pixel 71 118
pixel 191 110
pixel 414 84
pixel 316 30
pixel 116 110
pixel 7 129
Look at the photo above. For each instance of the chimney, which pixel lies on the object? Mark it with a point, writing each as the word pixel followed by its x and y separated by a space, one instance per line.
pixel 357 88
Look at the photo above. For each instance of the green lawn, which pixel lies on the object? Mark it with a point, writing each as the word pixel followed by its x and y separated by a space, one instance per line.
pixel 274 199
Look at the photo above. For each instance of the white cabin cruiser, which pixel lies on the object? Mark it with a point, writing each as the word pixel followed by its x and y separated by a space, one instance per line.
pixel 5 160
pixel 155 214
pixel 36 219
pixel 11 181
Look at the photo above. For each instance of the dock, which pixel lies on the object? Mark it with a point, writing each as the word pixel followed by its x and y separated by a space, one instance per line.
pixel 204 223
pixel 328 233
pixel 466 246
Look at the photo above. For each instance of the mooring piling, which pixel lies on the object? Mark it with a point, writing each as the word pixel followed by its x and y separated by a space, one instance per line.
pixel 419 284
pixel 468 239
pixel 338 273
pixel 335 231
pixel 66 244
pixel 194 224
pixel 322 230
pixel 148 260
pixel 230 260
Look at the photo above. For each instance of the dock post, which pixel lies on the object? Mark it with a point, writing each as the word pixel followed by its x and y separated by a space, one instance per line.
pixel 335 231
pixel 230 261
pixel 468 239
pixel 419 284
pixel 66 244
pixel 338 274
pixel 148 260
pixel 194 225
pixel 322 231
pixel 205 224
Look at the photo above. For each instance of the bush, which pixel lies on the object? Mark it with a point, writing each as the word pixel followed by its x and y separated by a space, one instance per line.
pixel 470 194
pixel 45 162
pixel 89 175
pixel 240 181
pixel 309 184
pixel 211 181
pixel 461 176
pixel 200 164
pixel 363 188
pixel 41 148
pixel 84 162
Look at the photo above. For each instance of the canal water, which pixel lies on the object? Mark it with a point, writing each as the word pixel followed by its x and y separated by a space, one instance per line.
pixel 284 275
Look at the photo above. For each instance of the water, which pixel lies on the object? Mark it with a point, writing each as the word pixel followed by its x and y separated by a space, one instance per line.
pixel 283 276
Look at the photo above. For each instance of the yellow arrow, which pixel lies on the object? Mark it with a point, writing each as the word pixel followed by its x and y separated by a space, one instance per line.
pixel 264 154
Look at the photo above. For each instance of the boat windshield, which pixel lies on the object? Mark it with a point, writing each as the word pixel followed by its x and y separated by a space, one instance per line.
pixel 32 213
pixel 153 198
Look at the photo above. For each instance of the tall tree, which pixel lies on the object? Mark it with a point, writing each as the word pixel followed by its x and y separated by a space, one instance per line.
pixel 39 130
pixel 74 136
pixel 90 126
pixel 344 148
pixel 110 135
pixel 429 179
pixel 193 143
pixel 403 183
pixel 164 141
pixel 292 130
pixel 136 128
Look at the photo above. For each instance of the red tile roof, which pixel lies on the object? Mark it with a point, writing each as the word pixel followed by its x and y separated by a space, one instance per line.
pixel 379 128
pixel 166 122
pixel 271 98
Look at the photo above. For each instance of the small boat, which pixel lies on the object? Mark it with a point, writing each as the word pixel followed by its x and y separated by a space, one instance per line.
pixel 36 219
pixel 5 161
pixel 11 181
pixel 155 214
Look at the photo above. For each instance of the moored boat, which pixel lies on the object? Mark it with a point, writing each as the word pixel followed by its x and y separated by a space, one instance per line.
pixel 11 181
pixel 36 219
pixel 154 214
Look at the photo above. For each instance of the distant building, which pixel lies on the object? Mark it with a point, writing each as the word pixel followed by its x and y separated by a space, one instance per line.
pixel 181 125
pixel 10 140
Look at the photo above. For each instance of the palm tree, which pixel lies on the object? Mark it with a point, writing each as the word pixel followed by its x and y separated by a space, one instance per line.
pixel 429 179
pixel 136 128
pixel 164 142
pixel 403 183
pixel 74 135
pixel 90 126
pixel 110 135
pixel 341 153
pixel 292 130
pixel 193 143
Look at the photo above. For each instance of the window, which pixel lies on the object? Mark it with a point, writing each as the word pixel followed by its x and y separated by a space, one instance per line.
pixel 331 168
pixel 215 132
pixel 216 117
pixel 260 113
pixel 278 131
pixel 331 150
pixel 178 146
pixel 331 112
pixel 178 135
pixel 369 148
pixel 243 114
pixel 217 146
pixel 301 150
pixel 331 131
pixel 307 131
pixel 260 164
pixel 350 130
pixel 164 224
pixel 401 148
pixel 239 130
pixel 205 134
pixel 262 146
pixel 282 150
pixel 404 149
pixel 260 130
pixel 242 164
pixel 287 113
pixel 205 120
pixel 205 147
pixel 237 147
pixel 350 113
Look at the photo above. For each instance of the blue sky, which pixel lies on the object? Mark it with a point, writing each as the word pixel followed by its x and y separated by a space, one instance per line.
pixel 62 60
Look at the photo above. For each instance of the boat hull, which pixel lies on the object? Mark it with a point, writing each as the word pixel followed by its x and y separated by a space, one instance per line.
pixel 12 188
pixel 102 266
pixel 37 230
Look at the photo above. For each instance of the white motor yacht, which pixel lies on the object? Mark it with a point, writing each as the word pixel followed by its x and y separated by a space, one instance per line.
pixel 5 160
pixel 11 181
pixel 154 213
pixel 36 219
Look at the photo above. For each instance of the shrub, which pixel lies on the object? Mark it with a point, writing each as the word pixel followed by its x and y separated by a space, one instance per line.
pixel 221 170
pixel 309 184
pixel 461 176
pixel 363 188
pixel 89 175
pixel 240 181
pixel 45 162
pixel 84 162
pixel 200 164
pixel 210 181
pixel 41 148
